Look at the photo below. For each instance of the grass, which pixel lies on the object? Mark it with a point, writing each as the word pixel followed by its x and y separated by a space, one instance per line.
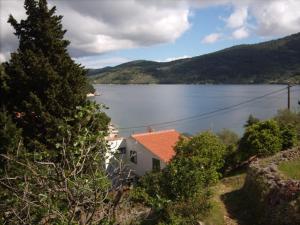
pixel 290 169
pixel 219 214
pixel 216 214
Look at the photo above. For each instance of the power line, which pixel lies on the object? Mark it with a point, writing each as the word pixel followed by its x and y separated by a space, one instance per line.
pixel 206 113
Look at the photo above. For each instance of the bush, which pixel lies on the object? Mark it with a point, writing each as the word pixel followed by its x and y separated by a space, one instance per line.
pixel 289 136
pixel 186 212
pixel 66 185
pixel 251 120
pixel 289 118
pixel 195 165
pixel 231 155
pixel 152 183
pixel 180 194
pixel 9 135
pixel 149 189
pixel 261 139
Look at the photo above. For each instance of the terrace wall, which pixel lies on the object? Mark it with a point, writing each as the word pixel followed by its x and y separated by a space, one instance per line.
pixel 275 199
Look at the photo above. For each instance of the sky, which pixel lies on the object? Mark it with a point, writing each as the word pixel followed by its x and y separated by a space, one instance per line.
pixel 111 32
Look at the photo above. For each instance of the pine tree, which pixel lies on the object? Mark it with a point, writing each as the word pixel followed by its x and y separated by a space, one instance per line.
pixel 44 84
pixel 9 136
pixel 251 120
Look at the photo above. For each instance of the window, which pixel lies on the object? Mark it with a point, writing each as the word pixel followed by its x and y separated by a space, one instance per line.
pixel 155 164
pixel 122 150
pixel 133 157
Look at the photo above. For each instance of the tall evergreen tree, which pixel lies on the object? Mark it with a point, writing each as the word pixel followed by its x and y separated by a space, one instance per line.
pixel 43 83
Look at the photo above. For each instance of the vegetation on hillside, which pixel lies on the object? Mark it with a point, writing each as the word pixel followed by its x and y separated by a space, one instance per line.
pixel 188 190
pixel 65 185
pixel 52 146
pixel 274 61
pixel 181 193
pixel 43 83
pixel 290 169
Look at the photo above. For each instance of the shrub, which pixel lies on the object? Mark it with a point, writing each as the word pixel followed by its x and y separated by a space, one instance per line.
pixel 186 212
pixel 231 155
pixel 195 165
pixel 180 194
pixel 289 118
pixel 66 185
pixel 251 120
pixel 289 136
pixel 262 139
pixel 43 82
pixel 9 135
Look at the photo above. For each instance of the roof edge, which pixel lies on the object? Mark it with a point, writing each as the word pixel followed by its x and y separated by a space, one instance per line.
pixel 154 132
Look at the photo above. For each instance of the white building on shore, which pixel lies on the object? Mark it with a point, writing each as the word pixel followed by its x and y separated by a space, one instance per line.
pixel 144 152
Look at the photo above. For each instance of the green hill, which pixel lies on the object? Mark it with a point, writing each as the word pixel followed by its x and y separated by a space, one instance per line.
pixel 276 61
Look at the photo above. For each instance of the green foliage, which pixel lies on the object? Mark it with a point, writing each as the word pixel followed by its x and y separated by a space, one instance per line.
pixel 180 194
pixel 151 191
pixel 289 136
pixel 9 135
pixel 51 137
pixel 262 139
pixel 60 187
pixel 290 119
pixel 231 156
pixel 228 137
pixel 90 88
pixel 195 165
pixel 152 183
pixel 3 84
pixel 268 62
pixel 43 83
pixel 251 120
pixel 290 169
pixel 140 195
pixel 186 212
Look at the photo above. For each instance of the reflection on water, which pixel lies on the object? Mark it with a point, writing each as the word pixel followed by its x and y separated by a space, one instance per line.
pixel 136 105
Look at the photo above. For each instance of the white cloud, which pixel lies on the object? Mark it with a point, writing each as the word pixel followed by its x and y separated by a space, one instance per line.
pixel 97 27
pixel 277 17
pixel 2 58
pixel 211 38
pixel 8 40
pixel 96 62
pixel 240 33
pixel 109 25
pixel 176 58
pixel 238 18
pixel 104 26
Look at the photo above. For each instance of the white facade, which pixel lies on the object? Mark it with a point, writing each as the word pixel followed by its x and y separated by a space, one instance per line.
pixel 116 146
pixel 144 158
pixel 140 153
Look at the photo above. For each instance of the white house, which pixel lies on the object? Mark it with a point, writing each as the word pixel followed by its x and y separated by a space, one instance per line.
pixel 117 146
pixel 150 151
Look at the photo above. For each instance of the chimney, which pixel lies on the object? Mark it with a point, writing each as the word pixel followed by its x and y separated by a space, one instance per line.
pixel 149 129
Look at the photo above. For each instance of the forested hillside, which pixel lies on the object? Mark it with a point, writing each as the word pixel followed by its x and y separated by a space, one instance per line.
pixel 276 61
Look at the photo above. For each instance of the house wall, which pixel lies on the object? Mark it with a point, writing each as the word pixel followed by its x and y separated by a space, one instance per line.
pixel 114 145
pixel 144 157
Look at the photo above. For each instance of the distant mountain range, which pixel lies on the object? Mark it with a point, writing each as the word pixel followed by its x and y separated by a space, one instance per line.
pixel 276 61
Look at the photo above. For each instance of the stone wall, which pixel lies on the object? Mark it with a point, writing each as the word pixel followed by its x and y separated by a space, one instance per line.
pixel 275 200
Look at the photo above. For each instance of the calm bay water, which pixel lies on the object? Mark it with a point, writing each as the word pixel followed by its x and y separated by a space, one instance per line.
pixel 139 105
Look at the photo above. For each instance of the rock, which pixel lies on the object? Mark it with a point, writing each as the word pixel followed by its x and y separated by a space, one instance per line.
pixel 273 168
pixel 271 193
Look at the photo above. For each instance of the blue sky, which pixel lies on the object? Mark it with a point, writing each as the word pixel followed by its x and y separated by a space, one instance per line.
pixel 107 33
pixel 203 22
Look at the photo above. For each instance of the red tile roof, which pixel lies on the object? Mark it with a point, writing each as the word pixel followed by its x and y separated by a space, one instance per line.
pixel 160 143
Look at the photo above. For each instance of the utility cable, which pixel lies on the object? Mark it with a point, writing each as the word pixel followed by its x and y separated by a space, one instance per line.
pixel 206 113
